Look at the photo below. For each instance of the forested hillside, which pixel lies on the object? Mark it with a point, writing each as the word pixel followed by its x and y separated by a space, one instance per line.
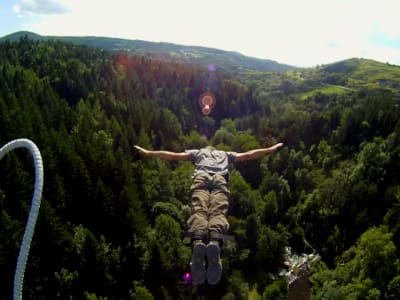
pixel 112 224
pixel 228 61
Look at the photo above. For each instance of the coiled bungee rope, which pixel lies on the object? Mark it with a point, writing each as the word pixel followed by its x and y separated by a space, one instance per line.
pixel 34 211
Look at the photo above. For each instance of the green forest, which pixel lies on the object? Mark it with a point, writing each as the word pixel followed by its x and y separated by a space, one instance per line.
pixel 112 224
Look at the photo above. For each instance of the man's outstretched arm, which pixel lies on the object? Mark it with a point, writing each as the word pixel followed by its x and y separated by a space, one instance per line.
pixel 169 155
pixel 256 153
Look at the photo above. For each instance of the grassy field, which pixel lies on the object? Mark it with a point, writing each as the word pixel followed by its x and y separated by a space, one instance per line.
pixel 327 89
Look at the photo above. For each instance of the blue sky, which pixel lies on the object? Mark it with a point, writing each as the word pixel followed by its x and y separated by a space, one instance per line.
pixel 302 33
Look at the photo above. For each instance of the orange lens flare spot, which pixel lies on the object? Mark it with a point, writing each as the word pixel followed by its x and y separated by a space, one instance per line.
pixel 207 102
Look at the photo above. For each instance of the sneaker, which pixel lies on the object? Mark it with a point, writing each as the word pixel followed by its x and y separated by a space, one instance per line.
pixel 214 268
pixel 198 264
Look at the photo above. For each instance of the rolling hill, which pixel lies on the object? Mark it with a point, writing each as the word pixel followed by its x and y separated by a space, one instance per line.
pixel 349 74
pixel 357 72
pixel 227 60
pixel 345 76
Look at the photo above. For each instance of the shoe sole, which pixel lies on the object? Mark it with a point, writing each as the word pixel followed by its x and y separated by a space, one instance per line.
pixel 214 269
pixel 197 266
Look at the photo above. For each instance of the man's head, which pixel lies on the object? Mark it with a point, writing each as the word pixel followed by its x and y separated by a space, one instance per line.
pixel 210 148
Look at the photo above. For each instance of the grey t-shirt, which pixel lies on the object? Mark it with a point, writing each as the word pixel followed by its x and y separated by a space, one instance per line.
pixel 211 161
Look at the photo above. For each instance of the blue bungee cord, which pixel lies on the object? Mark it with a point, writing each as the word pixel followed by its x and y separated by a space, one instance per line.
pixel 34 211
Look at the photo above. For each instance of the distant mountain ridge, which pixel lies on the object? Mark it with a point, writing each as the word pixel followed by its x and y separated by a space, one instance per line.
pixel 226 60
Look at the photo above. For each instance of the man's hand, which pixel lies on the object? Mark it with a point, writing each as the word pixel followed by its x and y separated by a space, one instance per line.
pixel 276 146
pixel 141 150
pixel 257 153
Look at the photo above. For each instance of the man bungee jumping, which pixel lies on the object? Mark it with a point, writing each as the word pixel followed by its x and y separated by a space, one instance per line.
pixel 207 223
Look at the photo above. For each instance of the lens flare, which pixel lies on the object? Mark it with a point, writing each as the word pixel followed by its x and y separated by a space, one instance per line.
pixel 206 110
pixel 207 102
pixel 187 277
pixel 211 68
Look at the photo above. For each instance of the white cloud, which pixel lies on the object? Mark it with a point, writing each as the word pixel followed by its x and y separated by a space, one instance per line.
pixel 39 7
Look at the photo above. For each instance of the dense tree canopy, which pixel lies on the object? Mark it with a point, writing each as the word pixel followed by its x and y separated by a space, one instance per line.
pixel 112 225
